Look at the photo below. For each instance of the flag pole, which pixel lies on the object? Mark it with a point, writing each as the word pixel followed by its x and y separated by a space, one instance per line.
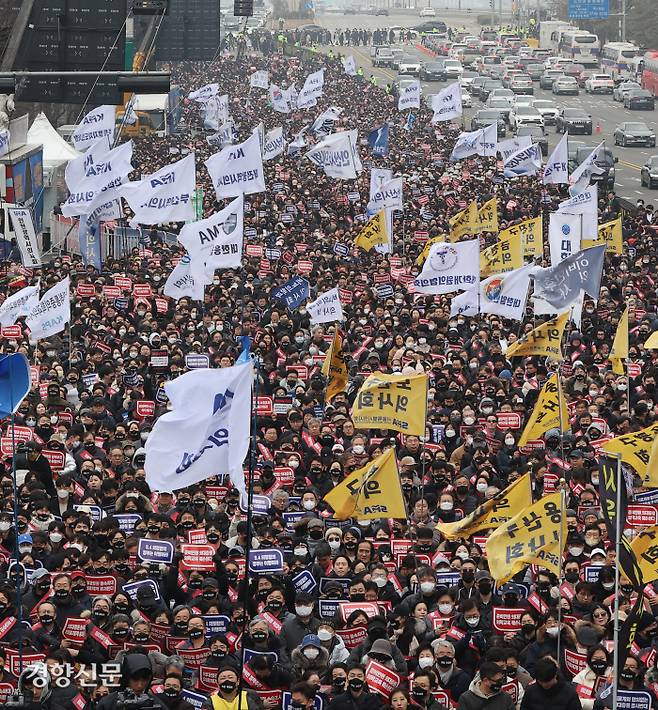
pixel 250 499
pixel 563 510
pixel 618 532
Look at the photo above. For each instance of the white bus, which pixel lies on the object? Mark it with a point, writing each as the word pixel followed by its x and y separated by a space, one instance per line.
pixel 548 29
pixel 581 46
pixel 617 57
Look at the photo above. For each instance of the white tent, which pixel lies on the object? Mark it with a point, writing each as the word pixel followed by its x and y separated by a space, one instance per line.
pixel 55 149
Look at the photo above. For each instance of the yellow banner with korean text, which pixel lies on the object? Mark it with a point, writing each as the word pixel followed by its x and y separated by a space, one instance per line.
pixel 535 536
pixel 635 450
pixel 550 412
pixel 373 233
pixel 397 402
pixel 488 216
pixel 531 234
pixel 464 222
pixel 371 492
pixel 334 368
pixel 645 548
pixel 610 234
pixel 501 257
pixel 493 512
pixel 545 340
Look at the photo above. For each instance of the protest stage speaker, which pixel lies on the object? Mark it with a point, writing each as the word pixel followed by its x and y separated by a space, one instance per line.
pixel 243 8
pixel 190 31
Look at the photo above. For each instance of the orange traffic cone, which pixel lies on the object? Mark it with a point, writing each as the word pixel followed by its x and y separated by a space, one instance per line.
pixel 598 128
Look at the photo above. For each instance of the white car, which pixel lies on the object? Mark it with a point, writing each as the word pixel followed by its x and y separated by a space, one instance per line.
pixel 525 116
pixel 548 110
pixel 599 84
pixel 565 85
pixel 467 101
pixel 428 12
pixel 409 66
pixel 454 68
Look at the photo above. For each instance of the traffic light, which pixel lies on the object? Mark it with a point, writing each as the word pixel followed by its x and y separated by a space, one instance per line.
pixel 243 8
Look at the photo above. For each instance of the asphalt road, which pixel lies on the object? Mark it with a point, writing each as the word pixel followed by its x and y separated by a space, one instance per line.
pixel 606 113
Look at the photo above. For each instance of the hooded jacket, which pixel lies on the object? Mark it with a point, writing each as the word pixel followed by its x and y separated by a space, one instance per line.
pixel 301 664
pixel 475 699
pixel 133 663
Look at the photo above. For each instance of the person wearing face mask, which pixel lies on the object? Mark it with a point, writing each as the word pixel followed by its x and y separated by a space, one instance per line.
pixel 550 690
pixel 63 599
pixel 228 690
pixel 427 592
pixel 46 632
pixel 385 589
pixel 466 587
pixel 170 696
pixel 475 642
pixel 451 678
pixel 377 630
pixel 356 694
pixel 333 643
pixel 599 665
pixel 486 692
pixel 546 641
pixel 302 623
pixel 310 655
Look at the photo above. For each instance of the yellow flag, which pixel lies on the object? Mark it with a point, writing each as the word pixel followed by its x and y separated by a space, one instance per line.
pixel 609 234
pixel 373 233
pixel 465 222
pixel 503 256
pixel 534 536
pixel 634 449
pixel 493 512
pixel 545 340
pixel 550 412
pixel 392 402
pixel 650 479
pixel 652 341
pixel 334 368
pixel 619 351
pixel 370 493
pixel 488 216
pixel 645 548
pixel 428 245
pixel 530 232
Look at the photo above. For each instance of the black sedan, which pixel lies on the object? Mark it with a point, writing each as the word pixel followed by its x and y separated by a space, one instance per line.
pixel 572 121
pixel 639 99
pixel 649 173
pixel 537 134
pixel 634 133
pixel 485 117
pixel 433 71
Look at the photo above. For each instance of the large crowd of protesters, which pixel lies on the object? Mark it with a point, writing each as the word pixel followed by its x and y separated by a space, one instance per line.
pixel 433 626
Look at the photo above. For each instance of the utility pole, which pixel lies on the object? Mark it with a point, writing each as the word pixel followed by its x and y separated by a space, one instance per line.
pixel 622 21
pixel 500 12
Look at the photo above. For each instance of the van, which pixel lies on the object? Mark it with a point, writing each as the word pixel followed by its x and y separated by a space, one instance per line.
pixel 383 57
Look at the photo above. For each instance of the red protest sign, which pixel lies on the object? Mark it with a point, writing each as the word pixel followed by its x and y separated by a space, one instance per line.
pixel 21 433
pixel 161 304
pixel 98 585
pixel 34 375
pixel 284 475
pixel 197 537
pixel 86 290
pixel 6 446
pixel 75 630
pixel 264 406
pixel 345 296
pixel 370 609
pixel 381 679
pixel 11 331
pixel 28 659
pixel 56 459
pixel 6 690
pixel 504 619
pixel 193 657
pixel 641 516
pixel 110 291
pixel 123 282
pixel 574 662
pixel 254 250
pixel 353 636
pixel 208 678
pixel 144 408
pixel 142 291
pixel 508 420
pixel 305 266
pixel 198 557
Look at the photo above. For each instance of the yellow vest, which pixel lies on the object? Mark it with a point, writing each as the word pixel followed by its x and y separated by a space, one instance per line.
pixel 221 704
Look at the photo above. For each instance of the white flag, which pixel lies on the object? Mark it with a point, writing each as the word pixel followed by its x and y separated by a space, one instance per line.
pixel 586 204
pixel 97 124
pixel 556 171
pixel 447 104
pixel 326 308
pixel 205 93
pixel 278 99
pixel 488 140
pixel 216 242
pixel 378 176
pixel 467 144
pixel 290 95
pixel 96 176
pixel 20 304
pixel 274 144
pixel 502 294
pixel 543 308
pixel 579 179
pixel 4 141
pixel 449 268
pixel 349 65
pixel 388 196
pixel 237 169
pixel 410 96
pixel 325 121
pixel 260 79
pixel 336 155
pixel 181 282
pixel 311 90
pixel 164 196
pixel 52 313
pixel 21 219
pixel 526 161
pixel 207 431
pixel 298 142
pixel 564 235
pixel 215 113
pixel 513 145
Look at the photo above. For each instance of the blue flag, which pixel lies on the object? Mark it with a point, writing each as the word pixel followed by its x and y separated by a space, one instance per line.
pixel 378 140
pixel 14 382
pixel 244 356
pixel 293 292
pixel 411 121
pixel 90 243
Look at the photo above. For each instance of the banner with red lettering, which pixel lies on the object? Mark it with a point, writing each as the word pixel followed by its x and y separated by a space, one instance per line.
pixel 75 630
pixel 504 619
pixel 198 557
pixel 353 637
pixel 574 662
pixel 381 679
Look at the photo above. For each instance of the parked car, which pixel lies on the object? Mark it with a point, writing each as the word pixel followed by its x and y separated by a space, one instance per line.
pixel 398 53
pixel 634 133
pixel 599 84
pixel 548 77
pixel 548 110
pixel 433 71
pixel 534 71
pixel 573 120
pixel 537 133
pixel 649 173
pixel 502 93
pixel 476 85
pixel 485 117
pixel 453 68
pixel 565 85
pixel 427 12
pixel 525 115
pixel 382 11
pixel 621 89
pixel 636 99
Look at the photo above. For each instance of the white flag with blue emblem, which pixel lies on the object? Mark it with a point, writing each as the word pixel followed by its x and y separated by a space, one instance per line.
pixel 564 235
pixel 556 171
pixel 447 104
pixel 207 431
pixel 410 96
pixel 526 161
